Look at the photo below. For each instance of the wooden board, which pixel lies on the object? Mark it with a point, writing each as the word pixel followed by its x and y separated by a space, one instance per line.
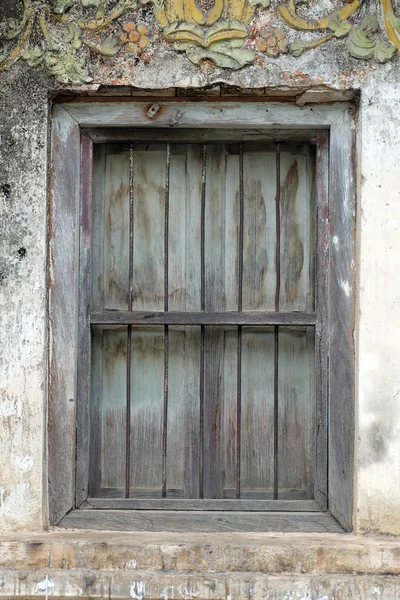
pixel 83 367
pixel 115 227
pixel 198 521
pixel 227 437
pixel 297 413
pixel 342 198
pixel 64 205
pixel 229 115
pixel 202 505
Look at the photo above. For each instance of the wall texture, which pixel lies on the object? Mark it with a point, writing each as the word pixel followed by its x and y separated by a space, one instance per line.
pixel 44 55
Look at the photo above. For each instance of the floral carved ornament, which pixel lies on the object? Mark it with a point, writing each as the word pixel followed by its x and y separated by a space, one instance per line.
pixel 224 33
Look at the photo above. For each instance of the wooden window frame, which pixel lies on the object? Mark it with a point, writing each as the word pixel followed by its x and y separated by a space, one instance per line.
pixel 76 125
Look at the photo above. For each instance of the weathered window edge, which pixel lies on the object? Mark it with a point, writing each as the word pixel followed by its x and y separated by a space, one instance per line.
pixel 67 160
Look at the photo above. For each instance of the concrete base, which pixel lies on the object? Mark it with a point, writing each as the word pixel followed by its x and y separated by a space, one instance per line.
pixel 199 566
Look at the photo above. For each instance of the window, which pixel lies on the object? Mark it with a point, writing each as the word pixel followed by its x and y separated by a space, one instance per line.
pixel 213 367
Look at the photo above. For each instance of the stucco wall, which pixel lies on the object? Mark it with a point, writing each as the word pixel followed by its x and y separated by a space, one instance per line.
pixel 24 108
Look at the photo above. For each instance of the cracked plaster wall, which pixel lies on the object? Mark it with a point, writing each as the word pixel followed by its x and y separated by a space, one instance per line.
pixel 24 109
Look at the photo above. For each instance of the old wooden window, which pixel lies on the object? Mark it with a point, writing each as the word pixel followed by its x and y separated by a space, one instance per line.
pixel 207 338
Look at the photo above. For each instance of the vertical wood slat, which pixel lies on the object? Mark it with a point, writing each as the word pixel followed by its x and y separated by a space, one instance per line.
pixel 110 276
pixel 259 176
pixel 297 229
pixel 276 329
pixel 215 351
pixel 297 412
pixel 184 342
pixel 231 419
pixel 342 218
pixel 62 259
pixel 115 228
pixel 322 326
pixel 239 332
pixel 128 431
pixel 149 193
pixel 147 362
pixel 166 331
pixel 259 275
pixel 97 303
pixel 112 370
pixel 84 337
pixel 202 308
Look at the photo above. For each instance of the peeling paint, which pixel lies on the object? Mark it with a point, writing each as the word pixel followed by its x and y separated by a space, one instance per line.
pixel 137 590
pixel 345 287
pixel 46 585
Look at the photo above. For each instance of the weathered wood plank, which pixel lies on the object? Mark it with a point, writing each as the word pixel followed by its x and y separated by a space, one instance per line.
pixel 183 444
pixel 112 369
pixel 122 520
pixel 149 164
pixel 115 229
pixel 257 411
pixel 127 134
pixel 96 413
pixel 183 458
pixel 259 229
pixel 214 357
pixel 342 211
pixel 296 412
pixel 97 303
pixel 322 327
pixel 84 340
pixel 203 505
pixel 64 205
pixel 204 115
pixel 297 240
pixel 199 318
pixel 147 392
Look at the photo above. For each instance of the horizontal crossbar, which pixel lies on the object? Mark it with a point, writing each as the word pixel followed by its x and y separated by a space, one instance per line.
pixel 202 318
pixel 203 505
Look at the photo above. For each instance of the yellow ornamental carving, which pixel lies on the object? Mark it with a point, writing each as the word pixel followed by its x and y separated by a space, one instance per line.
pixel 53 34
pixel 216 33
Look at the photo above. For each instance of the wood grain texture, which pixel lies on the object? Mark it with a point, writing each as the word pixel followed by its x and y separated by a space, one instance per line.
pixel 115 228
pixel 203 505
pixel 257 411
pixel 64 205
pixel 84 337
pixel 222 216
pixel 149 163
pixel 147 386
pixel 199 521
pixel 115 134
pixel 111 367
pixel 230 115
pixel 297 229
pixel 255 318
pixel 259 273
pixel 296 412
pixel 342 197
pixel 322 327
pixel 214 289
pixel 183 443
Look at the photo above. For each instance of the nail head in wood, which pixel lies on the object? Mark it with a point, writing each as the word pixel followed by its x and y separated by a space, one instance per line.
pixel 153 110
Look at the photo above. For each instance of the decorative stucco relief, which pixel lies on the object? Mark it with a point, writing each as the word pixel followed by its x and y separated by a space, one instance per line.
pixel 224 33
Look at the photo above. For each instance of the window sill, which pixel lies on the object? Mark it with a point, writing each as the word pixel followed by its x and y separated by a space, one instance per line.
pixel 200 521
